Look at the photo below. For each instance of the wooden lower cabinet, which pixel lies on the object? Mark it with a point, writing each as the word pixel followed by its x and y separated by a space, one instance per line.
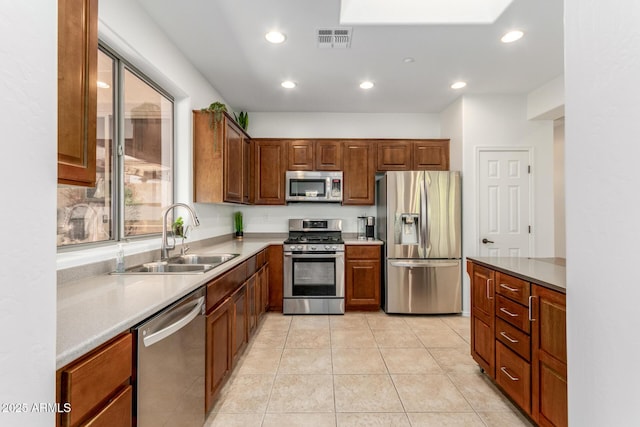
pixel 549 357
pixel 97 386
pixel 482 316
pixel 240 320
pixel 253 298
pixel 362 277
pixel 218 350
pixel 275 259
pixel 523 346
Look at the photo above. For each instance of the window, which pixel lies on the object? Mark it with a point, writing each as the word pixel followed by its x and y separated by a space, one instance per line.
pixel 134 152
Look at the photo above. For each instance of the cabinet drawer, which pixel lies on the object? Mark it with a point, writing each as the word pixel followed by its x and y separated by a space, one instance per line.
pixel 219 289
pixel 118 411
pixel 514 338
pixel 513 374
pixel 514 313
pixel 513 288
pixel 362 252
pixel 95 378
pixel 260 257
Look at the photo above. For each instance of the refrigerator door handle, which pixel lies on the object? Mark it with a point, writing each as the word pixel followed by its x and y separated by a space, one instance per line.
pixel 424 263
pixel 423 216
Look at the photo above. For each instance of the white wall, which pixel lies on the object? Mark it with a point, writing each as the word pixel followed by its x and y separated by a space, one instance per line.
pixel 603 207
pixel 28 121
pixel 547 101
pixel 559 190
pixel 452 121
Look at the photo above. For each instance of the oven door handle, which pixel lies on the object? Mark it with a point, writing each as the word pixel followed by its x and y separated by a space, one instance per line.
pixel 313 255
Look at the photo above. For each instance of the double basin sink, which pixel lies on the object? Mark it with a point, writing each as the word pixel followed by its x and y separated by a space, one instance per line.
pixel 181 264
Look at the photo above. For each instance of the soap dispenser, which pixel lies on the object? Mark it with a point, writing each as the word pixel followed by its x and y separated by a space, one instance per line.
pixel 120 259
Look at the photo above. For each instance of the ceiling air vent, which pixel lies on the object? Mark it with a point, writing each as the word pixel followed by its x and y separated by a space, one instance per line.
pixel 334 38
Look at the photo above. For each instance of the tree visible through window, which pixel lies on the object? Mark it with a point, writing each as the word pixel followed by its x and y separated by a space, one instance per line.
pixel 134 162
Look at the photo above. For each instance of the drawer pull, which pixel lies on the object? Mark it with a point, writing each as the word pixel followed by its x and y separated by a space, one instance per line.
pixel 531 309
pixel 509 288
pixel 512 378
pixel 509 338
pixel 489 297
pixel 507 312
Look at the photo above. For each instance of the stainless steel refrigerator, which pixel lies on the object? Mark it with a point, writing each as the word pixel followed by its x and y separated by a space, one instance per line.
pixel 419 220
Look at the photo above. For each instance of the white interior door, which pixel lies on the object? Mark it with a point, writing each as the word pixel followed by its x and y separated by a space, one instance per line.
pixel 504 203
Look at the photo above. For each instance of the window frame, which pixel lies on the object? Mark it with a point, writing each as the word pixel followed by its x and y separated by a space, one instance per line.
pixel 120 64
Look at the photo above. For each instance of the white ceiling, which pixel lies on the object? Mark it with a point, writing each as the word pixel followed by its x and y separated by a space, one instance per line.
pixel 224 39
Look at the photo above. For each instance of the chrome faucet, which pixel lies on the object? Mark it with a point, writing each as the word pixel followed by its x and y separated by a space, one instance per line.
pixel 166 246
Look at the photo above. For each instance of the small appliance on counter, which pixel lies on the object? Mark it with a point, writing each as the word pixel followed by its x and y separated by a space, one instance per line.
pixel 313 267
pixel 366 227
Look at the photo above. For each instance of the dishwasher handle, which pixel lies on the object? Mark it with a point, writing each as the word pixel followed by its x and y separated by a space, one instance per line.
pixel 176 326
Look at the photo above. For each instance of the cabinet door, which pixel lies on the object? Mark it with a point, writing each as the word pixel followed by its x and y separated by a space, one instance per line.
pixel 328 156
pixel 393 155
pixel 247 169
pixel 240 320
pixel 359 173
pixel 270 160
pixel 482 316
pixel 218 353
pixel 275 260
pixel 362 284
pixel 431 155
pixel 233 160
pixel 265 288
pixel 117 412
pixel 252 303
pixel 77 91
pixel 549 356
pixel 300 156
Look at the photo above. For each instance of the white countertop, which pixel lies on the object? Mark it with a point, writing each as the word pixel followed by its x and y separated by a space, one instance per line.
pixel 549 272
pixel 93 310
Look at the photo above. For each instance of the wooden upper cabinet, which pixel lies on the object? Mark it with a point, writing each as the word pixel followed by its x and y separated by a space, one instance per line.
pixel 221 160
pixel 270 162
pixel 359 173
pixel 328 155
pixel 77 91
pixel 300 156
pixel 393 155
pixel 431 154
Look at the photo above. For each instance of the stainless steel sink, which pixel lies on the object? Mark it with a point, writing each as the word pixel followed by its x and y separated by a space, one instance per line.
pixel 182 264
pixel 215 259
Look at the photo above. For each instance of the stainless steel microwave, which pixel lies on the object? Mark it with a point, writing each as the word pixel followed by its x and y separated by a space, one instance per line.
pixel 314 186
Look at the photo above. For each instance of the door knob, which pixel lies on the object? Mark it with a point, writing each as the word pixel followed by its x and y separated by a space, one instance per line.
pixel 485 241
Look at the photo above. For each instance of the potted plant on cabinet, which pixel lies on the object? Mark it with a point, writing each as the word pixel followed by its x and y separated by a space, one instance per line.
pixel 237 222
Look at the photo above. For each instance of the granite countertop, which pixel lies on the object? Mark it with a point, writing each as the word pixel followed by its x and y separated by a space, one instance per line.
pixel 548 272
pixel 93 310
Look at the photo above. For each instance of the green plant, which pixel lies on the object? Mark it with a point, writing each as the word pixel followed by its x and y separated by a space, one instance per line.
pixel 215 111
pixel 242 119
pixel 237 221
pixel 178 227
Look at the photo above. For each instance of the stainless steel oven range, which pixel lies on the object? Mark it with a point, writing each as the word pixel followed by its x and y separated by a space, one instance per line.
pixel 314 267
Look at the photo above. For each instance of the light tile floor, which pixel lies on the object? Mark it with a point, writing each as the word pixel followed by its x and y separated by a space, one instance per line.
pixel 361 369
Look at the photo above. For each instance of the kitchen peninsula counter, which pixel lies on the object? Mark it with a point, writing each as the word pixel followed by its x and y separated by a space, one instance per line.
pixel 547 272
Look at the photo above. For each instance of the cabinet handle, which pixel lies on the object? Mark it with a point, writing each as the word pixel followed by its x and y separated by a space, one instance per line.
pixel 531 309
pixel 509 288
pixel 512 378
pixel 507 312
pixel 489 293
pixel 509 338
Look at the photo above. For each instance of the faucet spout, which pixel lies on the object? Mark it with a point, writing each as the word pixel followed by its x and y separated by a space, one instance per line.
pixel 166 246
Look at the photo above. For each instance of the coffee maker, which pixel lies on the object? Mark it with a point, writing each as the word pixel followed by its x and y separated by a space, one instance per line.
pixel 366 227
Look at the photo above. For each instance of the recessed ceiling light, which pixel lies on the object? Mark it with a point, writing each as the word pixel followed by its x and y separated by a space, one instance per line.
pixel 103 85
pixel 366 85
pixel 275 37
pixel 512 36
pixel 408 60
pixel 288 84
pixel 458 85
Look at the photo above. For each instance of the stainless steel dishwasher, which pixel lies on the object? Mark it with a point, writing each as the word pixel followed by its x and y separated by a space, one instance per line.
pixel 169 377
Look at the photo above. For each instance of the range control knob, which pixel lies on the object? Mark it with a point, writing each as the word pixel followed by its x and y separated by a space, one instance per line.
pixel 327 247
pixel 313 248
pixel 335 248
pixel 300 247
